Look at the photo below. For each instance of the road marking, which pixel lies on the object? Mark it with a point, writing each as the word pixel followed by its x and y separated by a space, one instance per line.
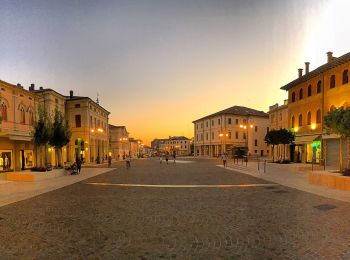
pixel 183 186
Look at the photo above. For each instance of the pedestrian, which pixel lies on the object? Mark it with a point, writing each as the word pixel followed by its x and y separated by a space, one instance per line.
pixel 166 158
pixel 174 155
pixel 109 161
pixel 160 158
pixel 79 162
pixel 224 159
pixel 128 161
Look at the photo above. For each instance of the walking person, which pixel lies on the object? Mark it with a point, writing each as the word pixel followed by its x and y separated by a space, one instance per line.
pixel 166 158
pixel 224 159
pixel 79 162
pixel 160 158
pixel 128 161
pixel 109 161
pixel 174 156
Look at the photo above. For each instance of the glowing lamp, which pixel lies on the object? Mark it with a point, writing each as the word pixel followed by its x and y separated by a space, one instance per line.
pixel 251 126
pixel 92 130
pixel 313 126
pixel 296 129
pixel 221 135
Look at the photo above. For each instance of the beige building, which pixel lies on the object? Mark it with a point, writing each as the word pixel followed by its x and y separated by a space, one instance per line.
pixel 119 145
pixel 278 116
pixel 18 112
pixel 51 101
pixel 89 123
pixel 228 130
pixel 180 144
pixel 135 147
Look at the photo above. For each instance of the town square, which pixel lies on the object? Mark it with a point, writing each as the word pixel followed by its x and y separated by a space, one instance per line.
pixel 174 129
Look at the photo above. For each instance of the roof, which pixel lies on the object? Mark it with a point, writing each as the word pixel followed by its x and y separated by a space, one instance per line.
pixel 18 86
pixel 45 90
pixel 73 98
pixel 325 67
pixel 117 126
pixel 178 138
pixel 237 110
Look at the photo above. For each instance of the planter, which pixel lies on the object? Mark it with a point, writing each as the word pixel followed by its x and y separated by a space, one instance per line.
pixel 330 181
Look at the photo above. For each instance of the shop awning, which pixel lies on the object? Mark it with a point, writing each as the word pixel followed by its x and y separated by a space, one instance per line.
pixel 306 139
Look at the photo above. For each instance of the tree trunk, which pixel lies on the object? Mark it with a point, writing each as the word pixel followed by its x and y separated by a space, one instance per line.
pixel 341 154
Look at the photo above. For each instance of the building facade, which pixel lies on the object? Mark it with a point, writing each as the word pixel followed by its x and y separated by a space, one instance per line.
pixel 310 97
pixel 18 112
pixel 231 129
pixel 118 142
pixel 179 144
pixel 89 123
pixel 278 116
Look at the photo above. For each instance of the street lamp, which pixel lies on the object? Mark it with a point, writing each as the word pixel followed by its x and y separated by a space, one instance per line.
pixel 223 143
pixel 246 126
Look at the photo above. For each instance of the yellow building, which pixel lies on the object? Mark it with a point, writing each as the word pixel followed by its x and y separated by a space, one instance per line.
pixel 118 142
pixel 179 144
pixel 231 129
pixel 311 96
pixel 278 116
pixel 18 112
pixel 89 123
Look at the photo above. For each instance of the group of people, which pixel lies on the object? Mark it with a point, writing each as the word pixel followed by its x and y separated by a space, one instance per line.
pixel 166 157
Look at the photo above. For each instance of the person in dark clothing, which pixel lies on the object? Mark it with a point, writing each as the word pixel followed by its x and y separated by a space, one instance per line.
pixel 79 162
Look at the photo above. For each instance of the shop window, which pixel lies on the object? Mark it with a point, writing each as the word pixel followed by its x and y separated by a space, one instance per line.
pixel 293 97
pixel 300 120
pixel 318 116
pixel 345 76
pixel 319 87
pixel 300 94
pixel 332 82
pixel 77 120
pixel 309 91
pixel 308 118
pixel 5 160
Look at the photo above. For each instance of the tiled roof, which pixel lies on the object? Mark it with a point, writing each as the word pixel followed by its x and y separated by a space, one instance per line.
pixel 329 65
pixel 178 138
pixel 237 110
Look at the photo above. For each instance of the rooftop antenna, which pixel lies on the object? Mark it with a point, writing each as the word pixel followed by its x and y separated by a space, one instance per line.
pixel 97 101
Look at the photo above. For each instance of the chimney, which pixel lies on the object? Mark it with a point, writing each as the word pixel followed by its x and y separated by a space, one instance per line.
pixel 71 93
pixel 329 56
pixel 300 71
pixel 32 87
pixel 41 88
pixel 307 67
pixel 19 85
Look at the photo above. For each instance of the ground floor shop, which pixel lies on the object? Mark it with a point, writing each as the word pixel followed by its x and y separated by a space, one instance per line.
pixel 88 150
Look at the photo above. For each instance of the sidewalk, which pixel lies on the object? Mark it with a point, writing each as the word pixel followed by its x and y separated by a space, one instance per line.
pixel 288 175
pixel 13 191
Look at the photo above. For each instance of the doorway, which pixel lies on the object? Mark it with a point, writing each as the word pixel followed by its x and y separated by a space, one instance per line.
pixel 23 162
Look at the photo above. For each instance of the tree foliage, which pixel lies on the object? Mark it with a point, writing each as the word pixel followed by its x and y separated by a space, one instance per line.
pixel 281 136
pixel 61 132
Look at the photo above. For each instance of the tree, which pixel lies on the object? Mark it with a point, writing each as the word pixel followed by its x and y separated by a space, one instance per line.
pixel 337 121
pixel 42 132
pixel 285 137
pixel 272 138
pixel 61 135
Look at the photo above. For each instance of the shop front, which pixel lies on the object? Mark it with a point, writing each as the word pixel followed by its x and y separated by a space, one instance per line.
pixel 6 160
pixel 307 149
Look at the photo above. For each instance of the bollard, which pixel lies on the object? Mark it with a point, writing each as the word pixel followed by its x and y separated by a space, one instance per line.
pixel 312 165
pixel 264 166
pixel 258 164
pixel 246 162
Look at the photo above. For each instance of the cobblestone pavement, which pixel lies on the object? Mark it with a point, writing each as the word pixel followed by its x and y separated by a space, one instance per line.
pixel 83 221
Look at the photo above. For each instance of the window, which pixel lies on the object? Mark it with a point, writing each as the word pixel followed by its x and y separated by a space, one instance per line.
pixel 219 121
pixel 237 121
pixel 293 121
pixel 244 136
pixel 318 116
pixel 91 121
pixel 236 135
pixel 300 94
pixel 293 97
pixel 345 76
pixel 23 116
pixel 56 100
pixel 207 136
pixel 212 135
pixel 300 120
pixel 196 125
pixel 319 86
pixel 4 112
pixel 229 135
pixel 201 125
pixel 256 142
pixel 332 82
pixel 77 105
pixel 197 137
pixel 77 120
pixel 267 129
pixel 256 128
pixel 206 124
pixel 31 117
pixel 309 91
pixel 212 122
pixel 229 121
pixel 308 118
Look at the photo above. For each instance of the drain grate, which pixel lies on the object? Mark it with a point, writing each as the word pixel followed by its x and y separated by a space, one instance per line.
pixel 280 191
pixel 325 207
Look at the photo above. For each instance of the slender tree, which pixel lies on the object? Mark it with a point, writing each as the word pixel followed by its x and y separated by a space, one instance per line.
pixel 61 135
pixel 337 121
pixel 272 138
pixel 42 132
pixel 285 137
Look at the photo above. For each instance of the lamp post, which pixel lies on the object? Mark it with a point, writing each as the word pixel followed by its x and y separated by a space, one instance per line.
pixel 222 135
pixel 246 126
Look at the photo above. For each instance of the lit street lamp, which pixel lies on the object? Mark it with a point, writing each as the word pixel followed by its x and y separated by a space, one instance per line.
pixel 246 126
pixel 223 143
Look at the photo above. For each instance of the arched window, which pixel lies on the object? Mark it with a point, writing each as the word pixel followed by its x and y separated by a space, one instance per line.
pixel 300 94
pixel 318 116
pixel 319 87
pixel 293 97
pixel 308 118
pixel 300 120
pixel 332 82
pixel 293 122
pixel 31 117
pixel 309 91
pixel 345 76
pixel 23 116
pixel 4 112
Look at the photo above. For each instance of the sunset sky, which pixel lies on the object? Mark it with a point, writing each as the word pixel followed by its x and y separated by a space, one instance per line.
pixel 159 65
